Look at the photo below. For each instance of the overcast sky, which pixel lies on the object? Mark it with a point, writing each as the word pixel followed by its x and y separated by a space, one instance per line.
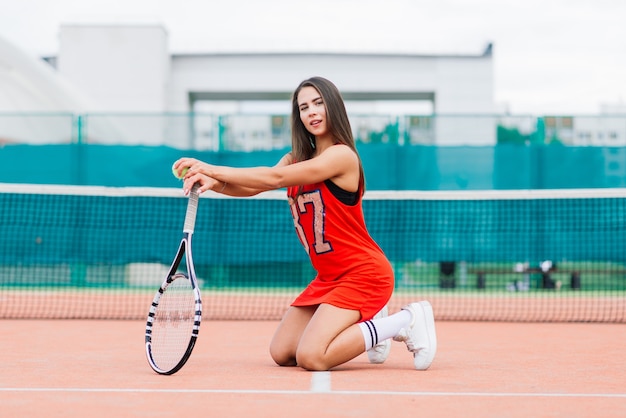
pixel 550 56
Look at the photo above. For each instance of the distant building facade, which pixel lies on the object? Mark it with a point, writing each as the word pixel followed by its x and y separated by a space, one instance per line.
pixel 129 69
pixel 120 84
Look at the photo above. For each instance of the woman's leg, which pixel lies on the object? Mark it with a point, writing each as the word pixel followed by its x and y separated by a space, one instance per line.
pixel 320 338
pixel 287 336
pixel 332 337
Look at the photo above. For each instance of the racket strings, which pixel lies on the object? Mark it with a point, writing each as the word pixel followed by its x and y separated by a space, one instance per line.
pixel 173 323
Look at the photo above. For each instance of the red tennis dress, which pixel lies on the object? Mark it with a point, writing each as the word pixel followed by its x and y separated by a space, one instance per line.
pixel 352 270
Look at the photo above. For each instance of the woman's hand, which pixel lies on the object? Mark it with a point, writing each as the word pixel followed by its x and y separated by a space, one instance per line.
pixel 192 165
pixel 197 172
pixel 205 183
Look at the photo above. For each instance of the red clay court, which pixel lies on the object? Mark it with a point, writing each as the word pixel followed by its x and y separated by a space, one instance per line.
pixel 489 369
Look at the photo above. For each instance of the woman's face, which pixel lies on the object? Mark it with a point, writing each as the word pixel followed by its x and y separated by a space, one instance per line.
pixel 312 111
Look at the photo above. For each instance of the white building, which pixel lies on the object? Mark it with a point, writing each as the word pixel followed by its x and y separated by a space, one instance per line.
pixel 149 96
pixel 129 69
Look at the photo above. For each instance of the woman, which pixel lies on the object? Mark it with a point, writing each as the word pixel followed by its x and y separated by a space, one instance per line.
pixel 332 320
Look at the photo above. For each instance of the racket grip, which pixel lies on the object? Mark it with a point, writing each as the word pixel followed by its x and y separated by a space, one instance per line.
pixel 192 209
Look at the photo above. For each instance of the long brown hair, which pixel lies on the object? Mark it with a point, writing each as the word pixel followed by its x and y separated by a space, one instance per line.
pixel 302 141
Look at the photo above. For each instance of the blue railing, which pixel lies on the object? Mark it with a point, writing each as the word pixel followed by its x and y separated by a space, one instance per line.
pixel 239 132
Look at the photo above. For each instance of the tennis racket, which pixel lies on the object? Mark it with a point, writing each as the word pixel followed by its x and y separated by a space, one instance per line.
pixel 176 310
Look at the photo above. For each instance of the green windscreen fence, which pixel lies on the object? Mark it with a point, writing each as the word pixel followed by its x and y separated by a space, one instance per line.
pixel 387 167
pixel 101 252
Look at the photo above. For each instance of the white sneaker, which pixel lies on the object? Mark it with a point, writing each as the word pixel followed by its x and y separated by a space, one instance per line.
pixel 379 353
pixel 420 337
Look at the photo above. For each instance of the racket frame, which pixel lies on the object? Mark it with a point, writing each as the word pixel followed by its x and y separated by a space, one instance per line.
pixel 184 249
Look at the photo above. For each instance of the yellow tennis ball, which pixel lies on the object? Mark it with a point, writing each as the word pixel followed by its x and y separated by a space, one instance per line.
pixel 182 173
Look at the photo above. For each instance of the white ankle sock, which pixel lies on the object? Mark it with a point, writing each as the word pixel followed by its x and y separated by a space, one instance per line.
pixel 379 329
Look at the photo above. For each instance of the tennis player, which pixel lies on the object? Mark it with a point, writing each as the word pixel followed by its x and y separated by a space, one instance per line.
pixel 333 320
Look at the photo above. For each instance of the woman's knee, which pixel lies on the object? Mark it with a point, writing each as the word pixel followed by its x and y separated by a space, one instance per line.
pixel 311 359
pixel 281 356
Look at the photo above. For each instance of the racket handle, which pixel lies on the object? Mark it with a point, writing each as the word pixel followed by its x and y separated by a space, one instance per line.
pixel 192 209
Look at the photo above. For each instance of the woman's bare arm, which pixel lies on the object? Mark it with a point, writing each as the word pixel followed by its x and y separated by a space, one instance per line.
pixel 339 163
pixel 197 173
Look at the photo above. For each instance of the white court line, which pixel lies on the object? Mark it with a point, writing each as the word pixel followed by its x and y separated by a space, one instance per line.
pixel 337 392
pixel 320 382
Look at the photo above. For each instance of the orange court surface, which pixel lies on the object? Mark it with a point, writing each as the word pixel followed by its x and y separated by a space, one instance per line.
pixel 97 368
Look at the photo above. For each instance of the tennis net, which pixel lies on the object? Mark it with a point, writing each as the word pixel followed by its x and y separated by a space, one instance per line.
pixel 97 252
